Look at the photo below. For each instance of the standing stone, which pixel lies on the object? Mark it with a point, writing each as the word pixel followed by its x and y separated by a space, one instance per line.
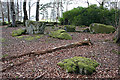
pixel 35 27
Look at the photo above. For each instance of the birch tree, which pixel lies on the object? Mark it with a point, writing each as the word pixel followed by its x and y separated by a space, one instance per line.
pixel 2 11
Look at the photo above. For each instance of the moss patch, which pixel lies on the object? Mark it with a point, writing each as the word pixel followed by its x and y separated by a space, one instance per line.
pixel 4 55
pixel 18 32
pixel 61 34
pixel 38 36
pixel 20 37
pixel 29 38
pixel 82 65
pixel 2 39
pixel 101 28
pixel 115 51
pixel 65 36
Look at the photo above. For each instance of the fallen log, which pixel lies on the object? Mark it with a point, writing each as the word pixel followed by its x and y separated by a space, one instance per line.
pixel 43 52
pixel 86 42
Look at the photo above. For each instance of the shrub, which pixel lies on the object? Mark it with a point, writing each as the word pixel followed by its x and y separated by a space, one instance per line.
pixel 80 65
pixel 92 14
pixel 101 28
pixel 18 32
pixel 69 28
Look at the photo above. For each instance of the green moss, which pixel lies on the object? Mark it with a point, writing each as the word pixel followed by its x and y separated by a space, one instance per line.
pixel 69 28
pixel 4 55
pixel 114 40
pixel 18 32
pixel 61 34
pixel 114 51
pixel 38 36
pixel 65 36
pixel 101 28
pixel 2 39
pixel 83 26
pixel 20 37
pixel 80 65
pixel 56 33
pixel 29 38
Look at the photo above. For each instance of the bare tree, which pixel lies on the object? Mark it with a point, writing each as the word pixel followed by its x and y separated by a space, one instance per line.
pixel 21 11
pixel 58 14
pixel 118 31
pixel 29 4
pixel 37 10
pixel 17 15
pixel 2 11
pixel 25 12
pixel 8 11
pixel 61 7
pixel 88 2
pixel 101 2
pixel 53 11
pixel 13 13
pixel 68 2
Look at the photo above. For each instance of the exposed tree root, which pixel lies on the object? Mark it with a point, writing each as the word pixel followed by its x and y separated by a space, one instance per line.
pixel 43 52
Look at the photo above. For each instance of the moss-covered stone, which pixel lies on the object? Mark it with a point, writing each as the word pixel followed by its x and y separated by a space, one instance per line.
pixel 69 28
pixel 86 30
pixel 35 27
pixel 61 34
pixel 101 28
pixel 80 65
pixel 18 32
pixel 65 36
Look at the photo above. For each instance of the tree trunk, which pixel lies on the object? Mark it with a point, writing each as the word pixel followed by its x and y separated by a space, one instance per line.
pixel 61 8
pixel 25 12
pixel 37 10
pixel 88 3
pixel 118 32
pixel 8 11
pixel 13 13
pixel 57 10
pixel 29 8
pixel 21 11
pixel 17 11
pixel 2 11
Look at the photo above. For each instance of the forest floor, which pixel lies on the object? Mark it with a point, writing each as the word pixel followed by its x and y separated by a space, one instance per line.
pixel 103 50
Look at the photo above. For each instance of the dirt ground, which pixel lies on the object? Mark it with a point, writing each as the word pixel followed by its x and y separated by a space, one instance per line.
pixel 103 50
